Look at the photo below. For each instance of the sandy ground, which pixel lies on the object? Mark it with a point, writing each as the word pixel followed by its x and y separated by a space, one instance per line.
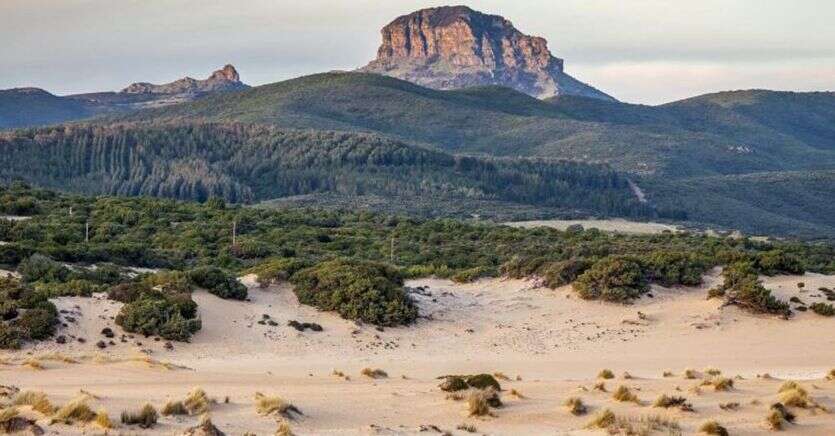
pixel 613 225
pixel 552 341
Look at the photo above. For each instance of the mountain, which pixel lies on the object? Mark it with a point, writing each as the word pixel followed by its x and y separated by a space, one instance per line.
pixel 26 107
pixel 22 107
pixel 454 47
pixel 250 163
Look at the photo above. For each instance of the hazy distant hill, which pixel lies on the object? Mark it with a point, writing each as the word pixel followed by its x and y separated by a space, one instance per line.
pixel 23 107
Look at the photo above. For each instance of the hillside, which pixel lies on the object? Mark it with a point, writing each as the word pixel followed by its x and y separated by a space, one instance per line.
pixel 248 163
pixel 682 139
pixel 23 107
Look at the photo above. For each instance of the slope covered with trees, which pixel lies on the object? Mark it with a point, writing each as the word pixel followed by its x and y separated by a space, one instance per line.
pixel 248 163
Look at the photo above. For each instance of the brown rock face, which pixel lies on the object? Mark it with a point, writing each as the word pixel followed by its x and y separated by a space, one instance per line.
pixel 457 47
pixel 224 79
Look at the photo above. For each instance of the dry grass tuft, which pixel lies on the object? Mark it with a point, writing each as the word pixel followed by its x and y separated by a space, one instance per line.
pixel 713 428
pixel 37 400
pixel 374 373
pixel 501 376
pixel 76 410
pixel 146 417
pixel 623 394
pixel 668 402
pixel 103 419
pixel 197 402
pixel 600 386
pixel 575 406
pixel 455 396
pixel 341 375
pixel 34 364
pixel 517 394
pixel 831 374
pixel 7 414
pixel 732 406
pixel 606 374
pixel 174 408
pixel 480 401
pixel 266 405
pixel 691 374
pixel 798 397
pixel 713 372
pixel 283 429
pixel 668 374
pixel 57 357
pixel 469 428
pixel 775 420
pixel 603 420
pixel 627 376
pixel 722 384
pixel 788 385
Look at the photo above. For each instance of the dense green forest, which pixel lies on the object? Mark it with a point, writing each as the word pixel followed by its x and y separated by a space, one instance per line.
pixel 248 163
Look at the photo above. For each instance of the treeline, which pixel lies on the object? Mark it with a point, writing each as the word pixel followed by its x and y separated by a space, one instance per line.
pixel 248 163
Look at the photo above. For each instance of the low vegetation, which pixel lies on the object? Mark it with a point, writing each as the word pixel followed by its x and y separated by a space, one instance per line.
pixel 269 405
pixel 374 373
pixel 713 428
pixel 667 402
pixel 146 417
pixel 575 406
pixel 624 394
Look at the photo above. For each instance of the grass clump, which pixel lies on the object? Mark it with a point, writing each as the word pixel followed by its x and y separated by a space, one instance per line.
pixel 600 386
pixel 374 373
pixel 76 410
pixel 691 374
pixel 174 408
pixel 146 417
pixel 606 374
pixel 778 416
pixel 603 420
pixel 197 402
pixel 480 401
pixel 103 419
pixel 713 372
pixel 576 406
pixel 731 406
pixel 823 309
pixel 38 401
pixel 267 405
pixel 624 394
pixel 831 374
pixel 713 428
pixel 722 384
pixel 284 429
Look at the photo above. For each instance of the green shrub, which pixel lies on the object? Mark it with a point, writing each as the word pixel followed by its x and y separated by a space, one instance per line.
pixel 128 292
pixel 218 282
pixel 778 262
pixel 172 317
pixel 741 287
pixel 38 323
pixel 359 290
pixel 562 273
pixel 38 267
pixel 176 282
pixel 70 288
pixel 277 269
pixel 675 268
pixel 823 309
pixel 483 381
pixel 471 275
pixel 10 337
pixel 615 278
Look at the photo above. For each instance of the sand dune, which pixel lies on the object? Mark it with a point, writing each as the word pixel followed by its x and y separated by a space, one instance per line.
pixel 555 342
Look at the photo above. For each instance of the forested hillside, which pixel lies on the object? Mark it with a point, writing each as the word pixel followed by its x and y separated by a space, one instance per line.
pixel 248 163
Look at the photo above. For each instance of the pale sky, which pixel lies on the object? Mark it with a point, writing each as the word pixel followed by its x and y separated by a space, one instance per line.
pixel 642 51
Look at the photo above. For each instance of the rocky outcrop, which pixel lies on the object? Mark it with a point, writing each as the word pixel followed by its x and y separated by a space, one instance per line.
pixel 225 79
pixel 455 47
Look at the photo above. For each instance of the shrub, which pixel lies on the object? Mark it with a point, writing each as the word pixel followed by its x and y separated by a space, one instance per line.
pixel 483 381
pixel 277 269
pixel 713 428
pixel 453 384
pixel 38 267
pixel 615 278
pixel 171 316
pixel 76 410
pixel 675 268
pixel 722 384
pixel 374 373
pixel 778 262
pixel 741 287
pixel 775 420
pixel 38 323
pixel 171 282
pixel 197 402
pixel 562 273
pixel 575 406
pixel 668 402
pixel 823 309
pixel 218 282
pixel 146 417
pixel 128 292
pixel 359 290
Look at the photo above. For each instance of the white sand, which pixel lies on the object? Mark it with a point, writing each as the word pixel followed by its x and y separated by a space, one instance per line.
pixel 553 340
pixel 611 225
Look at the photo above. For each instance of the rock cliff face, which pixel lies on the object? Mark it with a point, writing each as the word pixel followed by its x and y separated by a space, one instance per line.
pixel 225 79
pixel 455 47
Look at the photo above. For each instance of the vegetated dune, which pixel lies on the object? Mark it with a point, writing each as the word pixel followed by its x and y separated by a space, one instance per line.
pixel 618 225
pixel 553 341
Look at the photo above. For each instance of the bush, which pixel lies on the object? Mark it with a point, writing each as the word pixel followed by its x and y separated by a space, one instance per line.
pixel 823 309
pixel 128 292
pixel 277 269
pixel 741 287
pixel 218 282
pixel 675 268
pixel 713 428
pixel 562 273
pixel 359 290
pixel 38 267
pixel 154 313
pixel 10 338
pixel 575 406
pixel 39 323
pixel 615 278
pixel 483 381
pixel 176 282
pixel 778 262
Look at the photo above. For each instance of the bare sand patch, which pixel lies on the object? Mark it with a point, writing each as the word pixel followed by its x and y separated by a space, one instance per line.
pixel 611 225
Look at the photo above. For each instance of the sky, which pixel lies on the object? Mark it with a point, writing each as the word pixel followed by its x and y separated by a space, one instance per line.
pixel 640 51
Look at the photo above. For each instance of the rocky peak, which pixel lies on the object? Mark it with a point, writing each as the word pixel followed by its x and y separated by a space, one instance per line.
pixel 454 47
pixel 224 79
